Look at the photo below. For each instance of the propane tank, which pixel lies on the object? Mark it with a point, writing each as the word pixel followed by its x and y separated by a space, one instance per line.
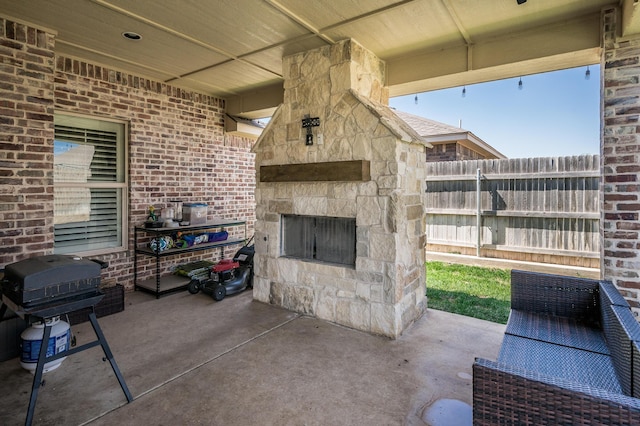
pixel 31 340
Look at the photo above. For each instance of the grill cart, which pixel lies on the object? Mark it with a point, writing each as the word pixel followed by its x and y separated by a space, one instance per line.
pixel 41 289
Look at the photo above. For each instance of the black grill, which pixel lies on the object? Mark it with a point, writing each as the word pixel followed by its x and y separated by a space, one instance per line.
pixel 48 286
pixel 39 281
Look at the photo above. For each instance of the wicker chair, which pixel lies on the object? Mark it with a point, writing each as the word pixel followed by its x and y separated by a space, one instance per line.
pixel 570 355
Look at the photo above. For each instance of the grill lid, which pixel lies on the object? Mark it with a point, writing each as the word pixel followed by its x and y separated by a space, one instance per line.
pixel 44 271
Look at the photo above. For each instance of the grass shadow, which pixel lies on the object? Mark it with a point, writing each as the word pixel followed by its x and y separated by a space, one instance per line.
pixel 486 308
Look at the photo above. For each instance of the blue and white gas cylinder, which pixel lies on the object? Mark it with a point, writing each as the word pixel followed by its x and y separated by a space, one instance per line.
pixel 31 341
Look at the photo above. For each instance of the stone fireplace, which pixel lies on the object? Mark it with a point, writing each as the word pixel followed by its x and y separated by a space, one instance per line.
pixel 340 217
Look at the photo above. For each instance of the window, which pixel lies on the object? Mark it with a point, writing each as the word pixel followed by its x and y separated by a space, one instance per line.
pixel 90 185
pixel 325 239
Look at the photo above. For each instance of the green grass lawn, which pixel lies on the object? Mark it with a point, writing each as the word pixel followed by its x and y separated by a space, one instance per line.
pixel 473 291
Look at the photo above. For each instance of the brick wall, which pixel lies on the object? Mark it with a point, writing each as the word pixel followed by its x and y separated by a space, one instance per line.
pixel 451 152
pixel 26 141
pixel 621 161
pixel 464 153
pixel 177 149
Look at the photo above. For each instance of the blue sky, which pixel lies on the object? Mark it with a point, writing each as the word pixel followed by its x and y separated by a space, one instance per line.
pixel 555 113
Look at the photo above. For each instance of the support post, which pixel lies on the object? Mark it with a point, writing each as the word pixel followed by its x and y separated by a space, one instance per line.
pixel 478 212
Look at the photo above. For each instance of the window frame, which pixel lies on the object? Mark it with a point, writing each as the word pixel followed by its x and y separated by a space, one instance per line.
pixel 121 184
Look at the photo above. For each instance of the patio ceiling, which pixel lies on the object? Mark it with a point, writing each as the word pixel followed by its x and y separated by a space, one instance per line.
pixel 233 48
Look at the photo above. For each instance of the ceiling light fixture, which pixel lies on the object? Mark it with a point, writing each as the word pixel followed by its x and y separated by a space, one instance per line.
pixel 520 84
pixel 416 99
pixel 464 91
pixel 130 35
pixel 587 74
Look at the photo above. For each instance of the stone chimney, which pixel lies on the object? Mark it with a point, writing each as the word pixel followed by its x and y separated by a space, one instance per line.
pixel 340 229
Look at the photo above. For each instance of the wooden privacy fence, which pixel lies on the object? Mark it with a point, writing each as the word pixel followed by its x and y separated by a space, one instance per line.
pixel 531 209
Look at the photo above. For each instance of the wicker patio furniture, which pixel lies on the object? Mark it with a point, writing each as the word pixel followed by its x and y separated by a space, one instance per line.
pixel 570 356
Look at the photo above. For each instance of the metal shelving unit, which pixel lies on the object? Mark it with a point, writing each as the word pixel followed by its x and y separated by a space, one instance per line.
pixel 160 285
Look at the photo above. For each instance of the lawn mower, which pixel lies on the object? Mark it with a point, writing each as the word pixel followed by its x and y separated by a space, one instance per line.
pixel 229 276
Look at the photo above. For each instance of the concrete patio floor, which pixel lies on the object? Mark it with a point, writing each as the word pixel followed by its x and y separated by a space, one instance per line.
pixel 189 360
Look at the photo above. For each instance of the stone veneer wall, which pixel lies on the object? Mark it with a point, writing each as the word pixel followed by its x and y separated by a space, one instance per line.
pixel 177 146
pixel 621 160
pixel 385 292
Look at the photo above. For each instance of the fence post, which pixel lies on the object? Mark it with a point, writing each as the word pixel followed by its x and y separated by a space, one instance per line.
pixel 478 213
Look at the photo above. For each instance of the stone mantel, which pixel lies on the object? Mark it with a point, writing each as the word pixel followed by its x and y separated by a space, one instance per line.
pixel 331 171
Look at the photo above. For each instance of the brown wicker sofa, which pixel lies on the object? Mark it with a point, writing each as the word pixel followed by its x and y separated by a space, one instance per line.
pixel 570 356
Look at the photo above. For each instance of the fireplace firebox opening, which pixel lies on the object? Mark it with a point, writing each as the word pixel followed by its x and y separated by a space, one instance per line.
pixel 319 238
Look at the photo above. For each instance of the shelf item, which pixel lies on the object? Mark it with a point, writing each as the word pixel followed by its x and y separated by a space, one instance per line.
pixel 194 213
pixel 160 285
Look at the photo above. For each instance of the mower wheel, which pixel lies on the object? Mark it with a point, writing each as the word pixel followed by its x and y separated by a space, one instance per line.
pixel 194 286
pixel 219 292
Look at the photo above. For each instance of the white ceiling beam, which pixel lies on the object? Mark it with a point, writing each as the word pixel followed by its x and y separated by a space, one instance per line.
pixel 299 20
pixel 178 34
pixel 630 18
pixel 454 16
pixel 558 46
pixel 256 104
pixel 164 28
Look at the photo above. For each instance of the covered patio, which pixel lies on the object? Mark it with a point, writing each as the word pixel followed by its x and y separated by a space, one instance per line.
pixel 173 82
pixel 177 93
pixel 190 360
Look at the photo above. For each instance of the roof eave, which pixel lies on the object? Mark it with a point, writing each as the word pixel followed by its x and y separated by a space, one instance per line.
pixel 469 140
